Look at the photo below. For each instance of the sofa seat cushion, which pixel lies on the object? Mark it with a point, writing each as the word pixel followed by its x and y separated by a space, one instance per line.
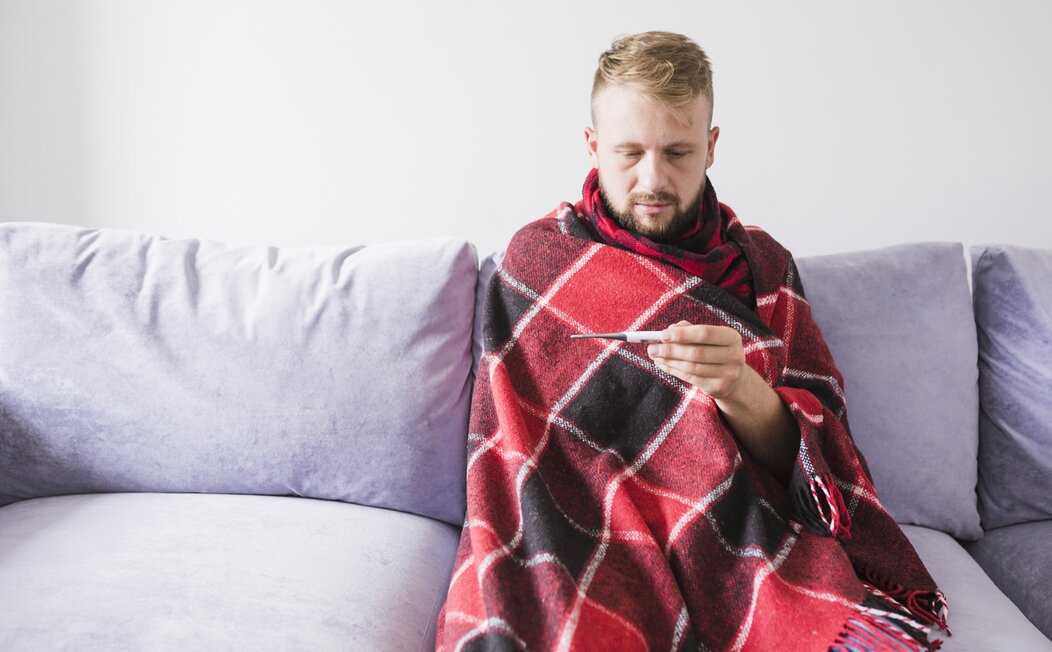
pixel 1018 558
pixel 981 616
pixel 212 571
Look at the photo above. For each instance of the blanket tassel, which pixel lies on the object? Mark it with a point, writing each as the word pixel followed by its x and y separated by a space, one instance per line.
pixel 882 624
pixel 821 507
pixel 927 606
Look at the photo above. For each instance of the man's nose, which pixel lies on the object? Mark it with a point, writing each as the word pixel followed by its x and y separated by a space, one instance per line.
pixel 653 177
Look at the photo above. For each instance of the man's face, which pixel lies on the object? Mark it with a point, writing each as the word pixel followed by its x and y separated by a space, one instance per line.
pixel 651 167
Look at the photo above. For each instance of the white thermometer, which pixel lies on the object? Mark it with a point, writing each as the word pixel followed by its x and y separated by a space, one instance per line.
pixel 627 336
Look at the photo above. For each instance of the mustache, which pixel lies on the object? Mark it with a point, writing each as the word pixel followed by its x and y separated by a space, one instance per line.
pixel 653 198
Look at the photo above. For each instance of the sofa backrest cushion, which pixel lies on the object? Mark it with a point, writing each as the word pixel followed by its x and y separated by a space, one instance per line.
pixel 131 362
pixel 1013 314
pixel 899 323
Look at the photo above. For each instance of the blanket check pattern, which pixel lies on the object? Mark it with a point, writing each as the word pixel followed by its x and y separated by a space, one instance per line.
pixel 609 505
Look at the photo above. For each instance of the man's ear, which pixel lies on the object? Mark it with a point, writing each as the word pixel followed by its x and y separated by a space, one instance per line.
pixel 714 135
pixel 592 141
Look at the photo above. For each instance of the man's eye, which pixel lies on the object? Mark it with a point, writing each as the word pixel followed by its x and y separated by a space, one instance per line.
pixel 677 154
pixel 632 154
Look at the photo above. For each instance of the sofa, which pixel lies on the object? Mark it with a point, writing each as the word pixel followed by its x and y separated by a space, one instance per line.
pixel 211 446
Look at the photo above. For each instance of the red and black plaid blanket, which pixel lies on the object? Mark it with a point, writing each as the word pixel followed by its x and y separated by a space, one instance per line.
pixel 610 506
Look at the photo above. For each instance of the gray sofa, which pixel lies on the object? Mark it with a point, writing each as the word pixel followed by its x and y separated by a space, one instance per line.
pixel 207 446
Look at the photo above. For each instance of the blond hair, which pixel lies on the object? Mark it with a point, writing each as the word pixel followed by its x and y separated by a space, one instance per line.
pixel 662 66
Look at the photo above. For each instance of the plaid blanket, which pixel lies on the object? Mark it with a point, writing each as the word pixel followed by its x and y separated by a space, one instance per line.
pixel 610 506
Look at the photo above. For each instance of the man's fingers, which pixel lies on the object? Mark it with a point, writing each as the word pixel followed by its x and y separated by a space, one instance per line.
pixel 672 333
pixel 696 369
pixel 709 357
pixel 688 333
pixel 713 380
pixel 701 353
pixel 669 368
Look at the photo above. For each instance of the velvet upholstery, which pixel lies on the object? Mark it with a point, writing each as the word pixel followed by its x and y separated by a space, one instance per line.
pixel 981 616
pixel 1018 558
pixel 1013 314
pixel 899 323
pixel 180 572
pixel 131 362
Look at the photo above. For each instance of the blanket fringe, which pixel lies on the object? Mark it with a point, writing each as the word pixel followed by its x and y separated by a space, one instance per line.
pixel 821 507
pixel 882 623
pixel 929 607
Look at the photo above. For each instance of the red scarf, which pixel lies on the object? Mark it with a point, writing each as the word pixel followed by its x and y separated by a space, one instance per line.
pixel 710 248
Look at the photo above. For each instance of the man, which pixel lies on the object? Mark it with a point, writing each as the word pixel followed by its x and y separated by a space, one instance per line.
pixel 683 494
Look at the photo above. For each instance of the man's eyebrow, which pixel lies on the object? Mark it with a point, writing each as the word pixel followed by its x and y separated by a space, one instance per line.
pixel 677 145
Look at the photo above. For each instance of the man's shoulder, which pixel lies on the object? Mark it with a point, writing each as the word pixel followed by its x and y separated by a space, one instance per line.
pixel 557 218
pixel 764 244
pixel 771 263
pixel 560 220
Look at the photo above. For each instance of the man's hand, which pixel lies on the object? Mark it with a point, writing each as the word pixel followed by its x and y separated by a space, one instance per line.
pixel 712 358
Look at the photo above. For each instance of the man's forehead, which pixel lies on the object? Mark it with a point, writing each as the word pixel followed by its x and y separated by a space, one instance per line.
pixel 627 115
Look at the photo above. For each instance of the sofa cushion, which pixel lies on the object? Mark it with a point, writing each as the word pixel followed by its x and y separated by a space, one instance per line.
pixel 1013 313
pixel 981 617
pixel 219 572
pixel 131 362
pixel 1018 558
pixel 899 323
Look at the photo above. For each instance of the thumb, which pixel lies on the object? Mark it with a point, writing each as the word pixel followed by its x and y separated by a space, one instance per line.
pixel 668 335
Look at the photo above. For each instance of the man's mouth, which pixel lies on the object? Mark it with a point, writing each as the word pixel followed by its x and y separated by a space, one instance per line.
pixel 652 208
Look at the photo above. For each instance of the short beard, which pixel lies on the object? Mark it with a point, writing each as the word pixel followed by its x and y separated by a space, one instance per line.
pixel 667 232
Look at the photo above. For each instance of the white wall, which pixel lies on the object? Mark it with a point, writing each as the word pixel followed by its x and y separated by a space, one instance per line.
pixel 844 125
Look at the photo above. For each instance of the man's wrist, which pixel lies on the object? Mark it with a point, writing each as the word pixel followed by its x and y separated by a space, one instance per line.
pixel 762 424
pixel 744 395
